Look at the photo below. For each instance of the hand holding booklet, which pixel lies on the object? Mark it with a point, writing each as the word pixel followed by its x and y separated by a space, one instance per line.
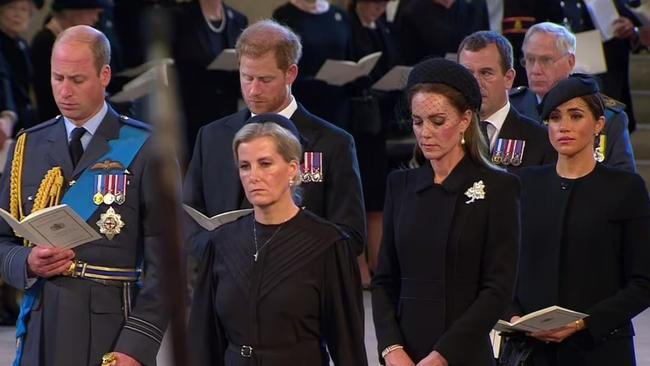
pixel 57 226
pixel 211 223
pixel 549 318
pixel 338 72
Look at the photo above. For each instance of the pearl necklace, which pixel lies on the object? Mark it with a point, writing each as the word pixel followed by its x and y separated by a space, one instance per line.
pixel 222 26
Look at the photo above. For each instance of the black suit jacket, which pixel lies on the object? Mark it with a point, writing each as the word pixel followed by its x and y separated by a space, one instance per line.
pixel 618 148
pixel 446 266
pixel 538 150
pixel 585 247
pixel 212 183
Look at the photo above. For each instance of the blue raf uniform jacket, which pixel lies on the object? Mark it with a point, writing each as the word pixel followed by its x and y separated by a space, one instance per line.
pixel 75 321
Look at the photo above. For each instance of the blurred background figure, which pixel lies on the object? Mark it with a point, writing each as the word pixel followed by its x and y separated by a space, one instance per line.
pixel 324 31
pixel 15 16
pixel 204 28
pixel 65 14
pixel 436 27
pixel 16 108
pixel 371 114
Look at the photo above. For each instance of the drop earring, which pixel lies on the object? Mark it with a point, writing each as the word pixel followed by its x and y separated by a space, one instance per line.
pixel 462 138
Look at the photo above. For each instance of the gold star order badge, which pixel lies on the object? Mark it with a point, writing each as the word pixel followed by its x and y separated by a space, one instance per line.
pixel 110 223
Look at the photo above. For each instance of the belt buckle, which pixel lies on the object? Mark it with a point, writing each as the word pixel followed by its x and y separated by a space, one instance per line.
pixel 246 351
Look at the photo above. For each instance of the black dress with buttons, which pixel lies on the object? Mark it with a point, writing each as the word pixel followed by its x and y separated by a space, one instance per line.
pixel 585 247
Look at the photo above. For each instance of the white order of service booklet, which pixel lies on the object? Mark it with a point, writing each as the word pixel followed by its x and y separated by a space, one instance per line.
pixel 211 223
pixel 57 226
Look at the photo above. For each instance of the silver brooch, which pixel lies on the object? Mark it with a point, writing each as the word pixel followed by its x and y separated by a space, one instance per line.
pixel 476 192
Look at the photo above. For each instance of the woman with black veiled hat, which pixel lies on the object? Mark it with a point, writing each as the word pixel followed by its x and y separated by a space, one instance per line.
pixel 279 285
pixel 447 261
pixel 585 235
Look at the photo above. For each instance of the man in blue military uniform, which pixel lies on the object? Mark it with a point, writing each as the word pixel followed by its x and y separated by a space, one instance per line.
pixel 515 140
pixel 82 304
pixel 268 65
pixel 549 54
pixel 519 15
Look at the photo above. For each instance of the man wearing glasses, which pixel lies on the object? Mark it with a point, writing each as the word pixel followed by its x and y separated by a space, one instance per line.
pixel 549 57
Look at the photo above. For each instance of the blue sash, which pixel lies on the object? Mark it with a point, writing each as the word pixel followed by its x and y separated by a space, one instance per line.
pixel 124 150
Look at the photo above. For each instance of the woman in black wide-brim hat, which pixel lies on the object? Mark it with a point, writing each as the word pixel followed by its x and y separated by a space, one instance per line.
pixel 585 235
pixel 448 257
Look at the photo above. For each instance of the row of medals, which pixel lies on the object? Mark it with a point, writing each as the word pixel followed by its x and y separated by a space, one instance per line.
pixel 109 197
pixel 508 157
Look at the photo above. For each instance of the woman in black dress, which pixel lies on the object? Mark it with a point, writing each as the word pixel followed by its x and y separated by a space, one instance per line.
pixel 371 113
pixel 278 285
pixel 447 261
pixel 324 31
pixel 586 229
pixel 204 28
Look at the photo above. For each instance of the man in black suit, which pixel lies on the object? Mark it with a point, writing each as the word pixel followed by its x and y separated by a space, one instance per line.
pixel 268 64
pixel 515 140
pixel 549 54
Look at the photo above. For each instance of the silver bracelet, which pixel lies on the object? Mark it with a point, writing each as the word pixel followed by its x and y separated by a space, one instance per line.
pixel 390 349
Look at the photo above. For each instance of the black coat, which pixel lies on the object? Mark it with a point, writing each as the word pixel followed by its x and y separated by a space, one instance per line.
pixel 212 183
pixel 538 149
pixel 301 294
pixel 425 28
pixel 323 36
pixel 585 247
pixel 19 71
pixel 207 95
pixel 446 265
pixel 618 148
pixel 41 54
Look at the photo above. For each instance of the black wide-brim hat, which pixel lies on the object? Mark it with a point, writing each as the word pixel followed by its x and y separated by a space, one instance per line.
pixel 81 4
pixel 450 73
pixel 576 85
pixel 278 119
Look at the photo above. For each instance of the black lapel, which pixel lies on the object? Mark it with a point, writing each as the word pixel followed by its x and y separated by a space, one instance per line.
pixel 308 133
pixel 109 129
pixel 511 128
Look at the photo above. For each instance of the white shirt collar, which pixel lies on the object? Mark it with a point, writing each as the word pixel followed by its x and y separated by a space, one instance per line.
pixel 288 111
pixel 497 119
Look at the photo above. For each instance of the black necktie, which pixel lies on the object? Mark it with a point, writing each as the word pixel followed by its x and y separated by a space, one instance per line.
pixel 76 149
pixel 484 129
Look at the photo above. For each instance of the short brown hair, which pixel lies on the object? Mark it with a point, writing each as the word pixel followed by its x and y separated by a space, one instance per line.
pixel 481 39
pixel 267 36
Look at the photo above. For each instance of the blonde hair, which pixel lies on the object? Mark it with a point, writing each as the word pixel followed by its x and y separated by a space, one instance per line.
pixel 286 143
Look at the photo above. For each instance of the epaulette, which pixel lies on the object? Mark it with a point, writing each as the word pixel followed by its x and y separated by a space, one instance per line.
pixel 39 126
pixel 135 123
pixel 613 104
pixel 518 90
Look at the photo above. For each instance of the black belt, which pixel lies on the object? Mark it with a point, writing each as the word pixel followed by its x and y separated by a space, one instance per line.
pixel 247 351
